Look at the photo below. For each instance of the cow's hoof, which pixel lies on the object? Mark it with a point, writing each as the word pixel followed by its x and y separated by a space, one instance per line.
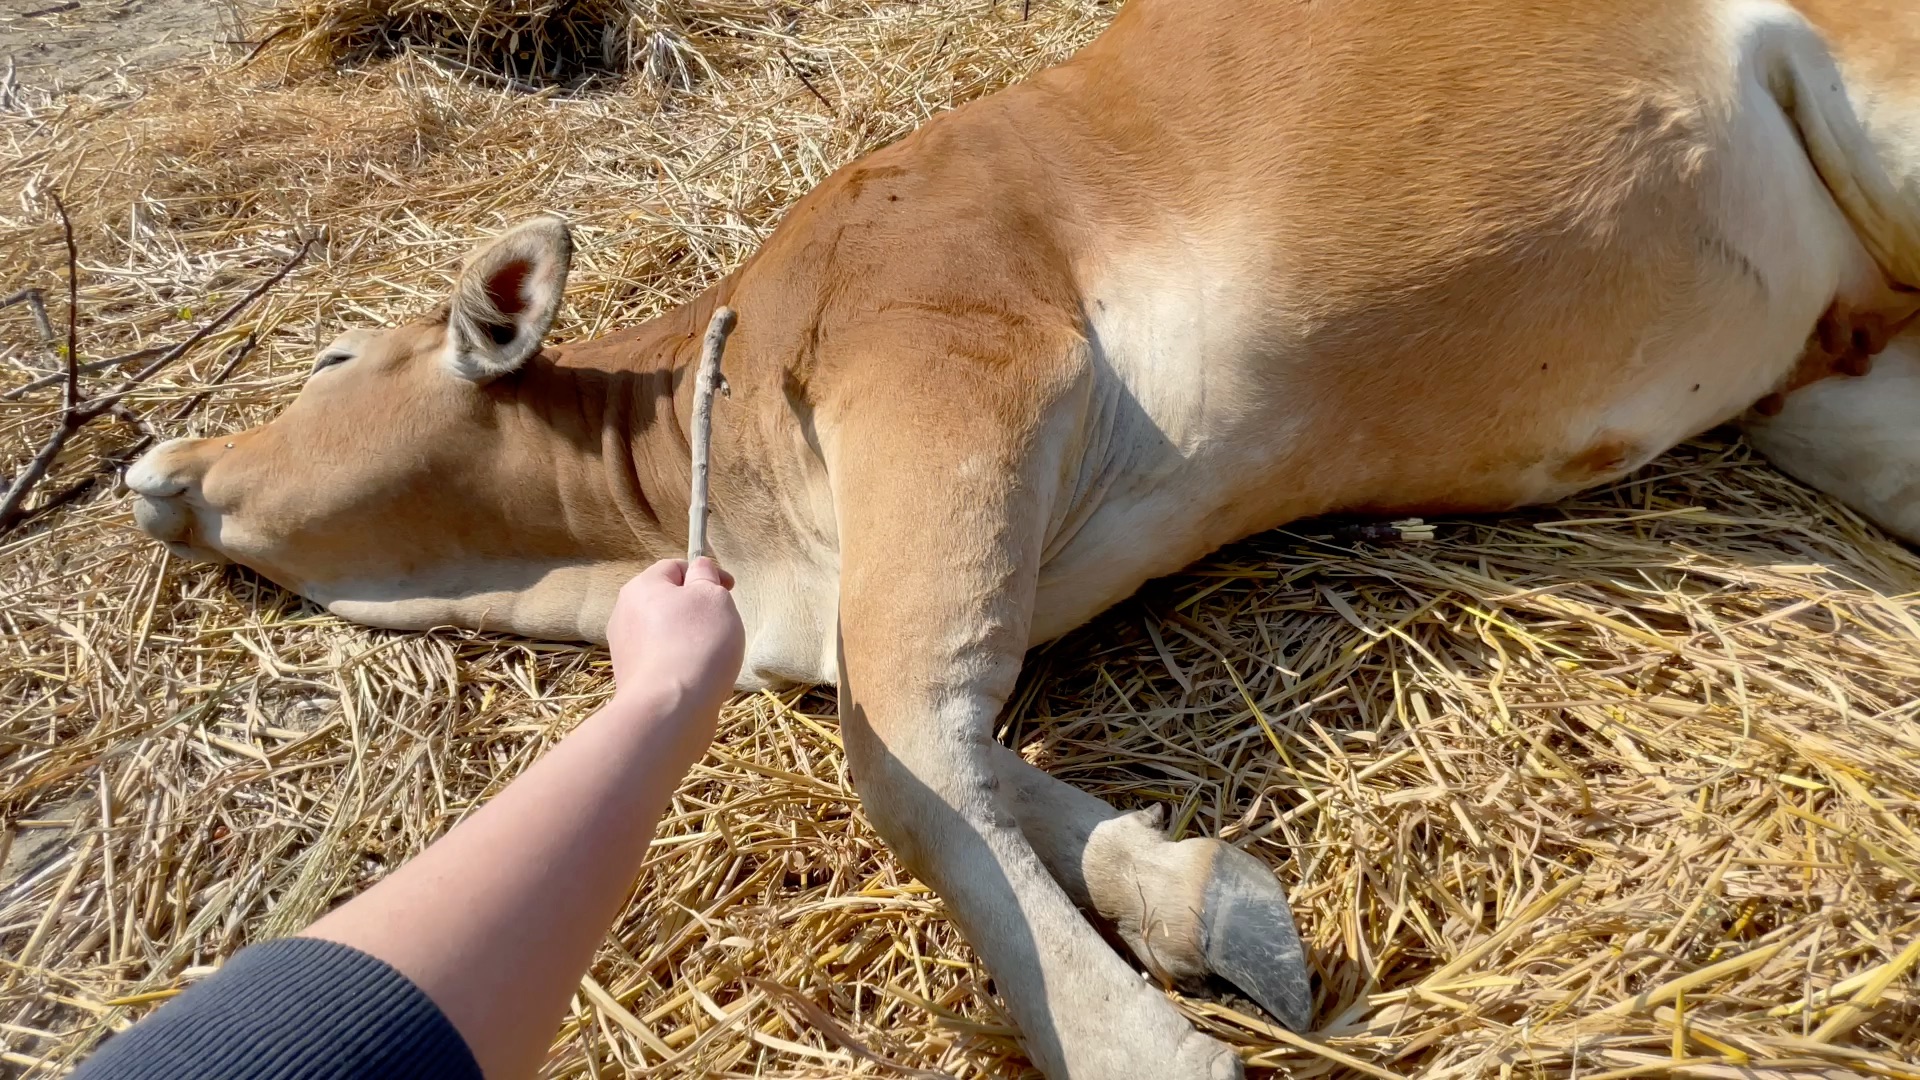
pixel 1248 936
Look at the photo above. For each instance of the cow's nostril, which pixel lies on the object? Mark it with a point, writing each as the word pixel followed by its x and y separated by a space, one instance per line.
pixel 152 489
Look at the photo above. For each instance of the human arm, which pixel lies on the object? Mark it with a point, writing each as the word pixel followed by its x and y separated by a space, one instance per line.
pixel 462 959
pixel 498 920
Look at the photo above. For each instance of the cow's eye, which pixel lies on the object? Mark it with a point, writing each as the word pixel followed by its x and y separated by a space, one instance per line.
pixel 328 359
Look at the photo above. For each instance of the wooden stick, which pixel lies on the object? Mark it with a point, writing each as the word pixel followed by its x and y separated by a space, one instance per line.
pixel 705 381
pixel 70 400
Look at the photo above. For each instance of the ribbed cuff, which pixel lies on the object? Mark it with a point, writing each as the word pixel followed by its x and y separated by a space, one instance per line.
pixel 292 1009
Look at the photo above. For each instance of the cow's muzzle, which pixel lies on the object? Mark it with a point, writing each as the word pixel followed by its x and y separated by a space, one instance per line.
pixel 166 495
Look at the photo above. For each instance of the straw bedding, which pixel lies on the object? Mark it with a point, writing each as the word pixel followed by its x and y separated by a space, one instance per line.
pixel 1628 786
pixel 663 41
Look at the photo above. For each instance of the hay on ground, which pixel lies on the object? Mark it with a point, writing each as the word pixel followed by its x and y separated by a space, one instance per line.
pixel 1629 786
pixel 529 42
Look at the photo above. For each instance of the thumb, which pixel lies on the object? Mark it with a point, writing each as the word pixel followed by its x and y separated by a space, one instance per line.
pixel 705 569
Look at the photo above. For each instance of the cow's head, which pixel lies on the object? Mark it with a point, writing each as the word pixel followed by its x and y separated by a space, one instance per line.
pixel 419 478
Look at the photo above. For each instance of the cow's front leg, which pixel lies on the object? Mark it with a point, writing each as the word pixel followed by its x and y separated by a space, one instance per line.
pixel 923 761
pixel 939 554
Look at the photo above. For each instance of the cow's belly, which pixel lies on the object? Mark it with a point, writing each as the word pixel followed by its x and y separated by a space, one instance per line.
pixel 1222 439
pixel 1175 507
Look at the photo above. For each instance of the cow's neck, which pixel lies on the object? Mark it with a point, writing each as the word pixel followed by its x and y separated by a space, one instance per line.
pixel 609 423
pixel 599 461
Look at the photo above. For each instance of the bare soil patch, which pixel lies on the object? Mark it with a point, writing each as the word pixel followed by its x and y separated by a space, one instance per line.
pixel 67 44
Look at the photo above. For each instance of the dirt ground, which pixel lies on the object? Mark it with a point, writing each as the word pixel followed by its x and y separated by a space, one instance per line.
pixel 62 44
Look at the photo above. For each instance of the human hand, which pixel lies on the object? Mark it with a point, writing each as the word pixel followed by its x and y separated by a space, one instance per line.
pixel 675 635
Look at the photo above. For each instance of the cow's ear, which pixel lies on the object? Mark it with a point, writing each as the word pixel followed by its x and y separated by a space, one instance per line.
pixel 506 299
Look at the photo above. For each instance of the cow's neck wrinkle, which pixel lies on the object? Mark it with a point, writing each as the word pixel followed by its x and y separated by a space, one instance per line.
pixel 611 414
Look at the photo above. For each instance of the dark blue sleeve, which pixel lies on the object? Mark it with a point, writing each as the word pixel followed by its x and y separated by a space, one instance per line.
pixel 293 1009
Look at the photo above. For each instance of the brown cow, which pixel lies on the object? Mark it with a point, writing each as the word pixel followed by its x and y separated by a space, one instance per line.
pixel 1234 264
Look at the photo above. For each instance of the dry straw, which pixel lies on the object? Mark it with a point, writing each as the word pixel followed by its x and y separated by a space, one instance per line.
pixel 1629 786
pixel 523 41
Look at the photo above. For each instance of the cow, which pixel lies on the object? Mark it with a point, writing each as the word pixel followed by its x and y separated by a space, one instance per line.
pixel 1231 265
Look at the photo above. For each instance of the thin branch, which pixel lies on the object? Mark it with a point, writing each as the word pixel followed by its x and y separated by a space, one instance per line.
pixel 70 399
pixel 259 47
pixel 75 414
pixel 113 462
pixel 804 81
pixel 705 381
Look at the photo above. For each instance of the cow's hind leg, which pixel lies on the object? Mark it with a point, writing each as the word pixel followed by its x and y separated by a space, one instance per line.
pixel 1188 909
pixel 1855 438
pixel 940 547
pixel 1846 421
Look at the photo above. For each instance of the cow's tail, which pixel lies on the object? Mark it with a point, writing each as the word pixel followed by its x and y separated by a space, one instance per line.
pixel 1880 198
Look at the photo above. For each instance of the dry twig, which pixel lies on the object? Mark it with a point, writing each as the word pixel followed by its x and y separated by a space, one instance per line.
pixel 706 382
pixel 75 413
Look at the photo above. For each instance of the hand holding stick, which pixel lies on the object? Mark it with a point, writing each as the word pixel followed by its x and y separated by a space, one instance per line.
pixel 706 380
